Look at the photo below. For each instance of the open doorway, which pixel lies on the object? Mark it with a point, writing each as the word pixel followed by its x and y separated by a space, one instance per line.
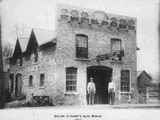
pixel 102 76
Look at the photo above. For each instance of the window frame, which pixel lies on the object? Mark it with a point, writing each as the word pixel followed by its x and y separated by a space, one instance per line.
pixel 41 85
pixel 19 61
pixel 116 39
pixel 73 80
pixel 36 57
pixel 129 85
pixel 81 52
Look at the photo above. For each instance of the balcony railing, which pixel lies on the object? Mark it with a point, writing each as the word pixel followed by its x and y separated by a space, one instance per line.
pixel 114 56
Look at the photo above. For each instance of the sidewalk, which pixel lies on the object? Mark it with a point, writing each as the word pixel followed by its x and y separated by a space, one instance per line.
pixel 124 106
pixel 137 106
pixel 17 104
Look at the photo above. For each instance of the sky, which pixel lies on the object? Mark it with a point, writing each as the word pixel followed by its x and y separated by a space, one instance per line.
pixel 41 14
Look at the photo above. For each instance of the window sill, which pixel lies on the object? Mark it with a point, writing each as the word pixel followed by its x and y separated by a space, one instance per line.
pixel 82 59
pixel 71 93
pixel 125 92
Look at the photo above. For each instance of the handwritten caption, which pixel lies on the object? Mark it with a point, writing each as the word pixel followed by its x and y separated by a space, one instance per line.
pixel 78 116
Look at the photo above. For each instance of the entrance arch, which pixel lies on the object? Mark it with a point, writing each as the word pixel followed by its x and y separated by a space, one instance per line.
pixel 102 76
pixel 18 85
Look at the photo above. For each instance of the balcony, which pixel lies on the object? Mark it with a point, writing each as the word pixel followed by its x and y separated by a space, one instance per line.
pixel 114 56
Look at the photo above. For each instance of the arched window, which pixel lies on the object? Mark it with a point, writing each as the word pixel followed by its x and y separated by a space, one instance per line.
pixel 30 81
pixel 81 46
pixel 42 78
pixel 11 82
pixel 71 79
pixel 18 85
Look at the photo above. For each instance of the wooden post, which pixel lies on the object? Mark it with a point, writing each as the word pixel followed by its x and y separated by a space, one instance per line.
pixel 147 94
pixel 116 76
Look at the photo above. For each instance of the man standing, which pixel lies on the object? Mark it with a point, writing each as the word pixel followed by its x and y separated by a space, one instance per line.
pixel 111 92
pixel 91 90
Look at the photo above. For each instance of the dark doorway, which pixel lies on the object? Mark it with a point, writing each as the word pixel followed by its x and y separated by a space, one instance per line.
pixel 102 76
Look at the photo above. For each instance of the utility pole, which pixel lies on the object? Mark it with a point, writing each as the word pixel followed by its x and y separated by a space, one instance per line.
pixel 1 68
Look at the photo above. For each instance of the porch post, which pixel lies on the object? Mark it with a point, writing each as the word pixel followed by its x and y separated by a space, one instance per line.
pixel 147 94
pixel 81 84
pixel 116 76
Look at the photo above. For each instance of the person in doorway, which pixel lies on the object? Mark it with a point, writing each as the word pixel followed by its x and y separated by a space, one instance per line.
pixel 111 92
pixel 91 90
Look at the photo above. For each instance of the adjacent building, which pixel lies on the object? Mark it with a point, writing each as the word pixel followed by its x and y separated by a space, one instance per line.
pixel 87 44
pixel 149 91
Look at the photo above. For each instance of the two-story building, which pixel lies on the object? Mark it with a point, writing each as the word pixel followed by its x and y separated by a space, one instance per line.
pixel 87 44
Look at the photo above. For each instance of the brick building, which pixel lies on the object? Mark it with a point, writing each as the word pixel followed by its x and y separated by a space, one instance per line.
pixel 87 44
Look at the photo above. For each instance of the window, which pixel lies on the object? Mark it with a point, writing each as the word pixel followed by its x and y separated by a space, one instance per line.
pixel 30 81
pixel 115 45
pixel 34 57
pixel 71 79
pixel 116 49
pixel 42 77
pixel 81 46
pixel 125 80
pixel 19 61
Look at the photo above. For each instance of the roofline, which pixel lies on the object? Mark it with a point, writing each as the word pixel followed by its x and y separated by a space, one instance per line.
pixel 32 30
pixel 145 73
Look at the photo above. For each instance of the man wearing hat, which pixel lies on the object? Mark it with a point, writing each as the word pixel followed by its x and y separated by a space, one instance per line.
pixel 111 92
pixel 91 90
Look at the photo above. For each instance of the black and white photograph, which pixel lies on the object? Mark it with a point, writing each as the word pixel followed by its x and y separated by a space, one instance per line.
pixel 79 55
